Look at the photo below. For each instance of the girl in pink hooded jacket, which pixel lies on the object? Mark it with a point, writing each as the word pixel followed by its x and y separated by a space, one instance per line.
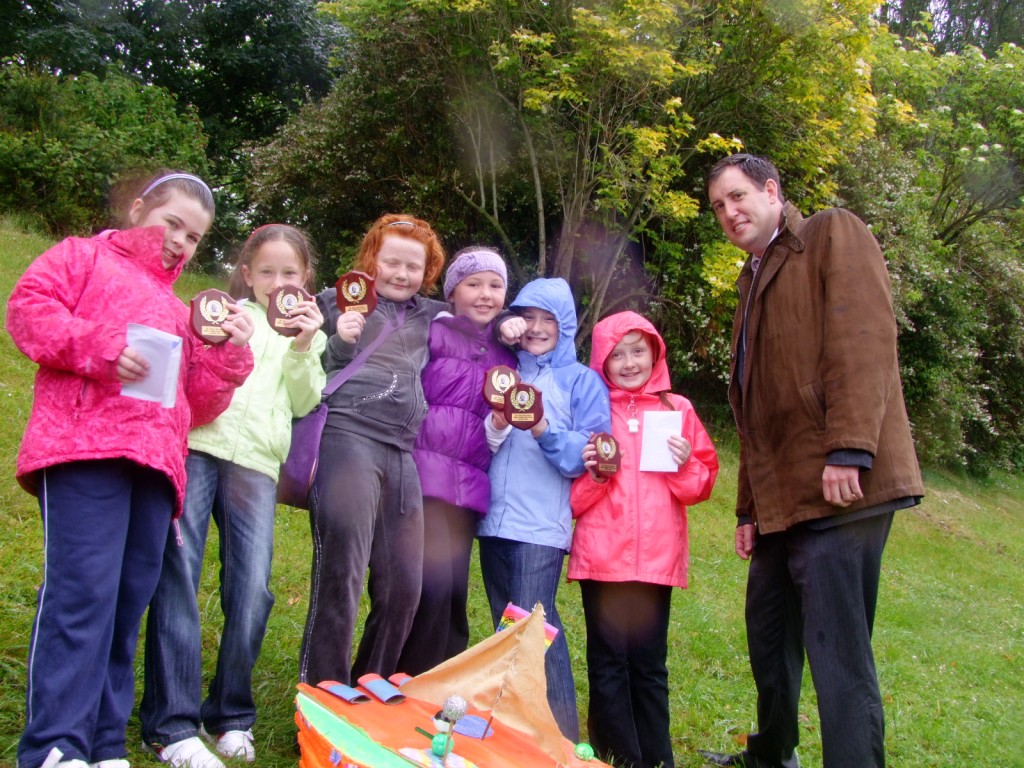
pixel 630 547
pixel 108 468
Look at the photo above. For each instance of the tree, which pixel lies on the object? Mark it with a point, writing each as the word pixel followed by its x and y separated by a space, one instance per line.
pixel 572 131
pixel 65 140
pixel 955 25
pixel 243 65
pixel 941 186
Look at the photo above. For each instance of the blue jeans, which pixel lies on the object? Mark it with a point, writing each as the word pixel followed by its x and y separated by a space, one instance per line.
pixel 242 502
pixel 526 574
pixel 104 527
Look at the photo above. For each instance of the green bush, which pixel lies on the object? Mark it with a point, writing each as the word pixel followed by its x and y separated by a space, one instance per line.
pixel 65 141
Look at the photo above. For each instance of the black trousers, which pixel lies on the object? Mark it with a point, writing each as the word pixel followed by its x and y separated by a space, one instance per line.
pixel 627 645
pixel 440 629
pixel 814 591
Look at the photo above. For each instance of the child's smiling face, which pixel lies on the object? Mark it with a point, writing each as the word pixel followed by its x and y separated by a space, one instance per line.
pixel 184 220
pixel 630 362
pixel 541 331
pixel 275 264
pixel 480 297
pixel 401 262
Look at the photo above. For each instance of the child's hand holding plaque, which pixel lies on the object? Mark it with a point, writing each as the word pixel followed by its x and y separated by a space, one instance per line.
pixel 608 455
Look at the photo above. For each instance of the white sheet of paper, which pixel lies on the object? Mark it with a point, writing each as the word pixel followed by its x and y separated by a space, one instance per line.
pixel 658 427
pixel 162 351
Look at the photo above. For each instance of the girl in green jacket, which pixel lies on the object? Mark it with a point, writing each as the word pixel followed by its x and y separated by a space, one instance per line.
pixel 232 467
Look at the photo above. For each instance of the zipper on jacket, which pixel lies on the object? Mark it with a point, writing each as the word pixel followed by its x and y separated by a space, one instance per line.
pixel 635 437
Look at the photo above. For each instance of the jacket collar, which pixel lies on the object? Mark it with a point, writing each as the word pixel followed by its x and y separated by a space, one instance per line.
pixel 791 229
pixel 144 246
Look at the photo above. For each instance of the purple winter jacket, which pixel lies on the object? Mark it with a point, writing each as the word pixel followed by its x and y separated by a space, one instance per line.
pixel 451 450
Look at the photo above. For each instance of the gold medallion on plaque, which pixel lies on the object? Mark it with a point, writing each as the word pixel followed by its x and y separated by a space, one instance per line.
pixel 523 406
pixel 609 458
pixel 280 304
pixel 209 311
pixel 356 293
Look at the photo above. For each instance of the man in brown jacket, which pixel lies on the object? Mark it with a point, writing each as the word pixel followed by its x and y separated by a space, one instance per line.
pixel 826 458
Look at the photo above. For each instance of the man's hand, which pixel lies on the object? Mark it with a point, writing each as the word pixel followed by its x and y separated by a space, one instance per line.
pixel 841 485
pixel 744 540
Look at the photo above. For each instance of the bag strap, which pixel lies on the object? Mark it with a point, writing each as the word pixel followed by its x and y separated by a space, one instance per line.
pixel 359 360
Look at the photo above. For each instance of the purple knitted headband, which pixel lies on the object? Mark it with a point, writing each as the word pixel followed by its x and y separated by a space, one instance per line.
pixel 469 262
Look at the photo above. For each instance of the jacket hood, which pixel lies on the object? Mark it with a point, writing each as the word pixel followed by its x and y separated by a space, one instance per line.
pixel 144 246
pixel 553 295
pixel 613 329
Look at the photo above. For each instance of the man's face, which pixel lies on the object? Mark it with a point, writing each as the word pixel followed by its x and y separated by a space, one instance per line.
pixel 748 214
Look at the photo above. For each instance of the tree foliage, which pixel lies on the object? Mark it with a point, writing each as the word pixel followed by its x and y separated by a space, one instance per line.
pixel 64 141
pixel 941 184
pixel 243 65
pixel 955 25
pixel 570 134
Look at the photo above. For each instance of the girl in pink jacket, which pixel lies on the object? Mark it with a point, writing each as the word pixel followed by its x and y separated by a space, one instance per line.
pixel 630 547
pixel 109 468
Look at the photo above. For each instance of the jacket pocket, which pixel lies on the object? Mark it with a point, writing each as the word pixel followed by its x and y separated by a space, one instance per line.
pixel 282 434
pixel 813 397
pixel 369 396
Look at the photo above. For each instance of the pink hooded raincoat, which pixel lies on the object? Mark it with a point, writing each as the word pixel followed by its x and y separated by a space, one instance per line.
pixel 69 313
pixel 633 527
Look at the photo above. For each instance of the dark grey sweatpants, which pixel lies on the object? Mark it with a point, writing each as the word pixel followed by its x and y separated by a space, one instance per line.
pixel 366 511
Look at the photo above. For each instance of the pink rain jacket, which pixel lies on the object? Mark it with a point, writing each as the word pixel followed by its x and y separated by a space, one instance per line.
pixel 69 313
pixel 633 527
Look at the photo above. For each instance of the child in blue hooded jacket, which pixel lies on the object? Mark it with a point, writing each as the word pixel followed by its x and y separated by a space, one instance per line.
pixel 528 528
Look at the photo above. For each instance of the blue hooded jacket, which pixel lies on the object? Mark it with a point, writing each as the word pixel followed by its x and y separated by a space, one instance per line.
pixel 531 478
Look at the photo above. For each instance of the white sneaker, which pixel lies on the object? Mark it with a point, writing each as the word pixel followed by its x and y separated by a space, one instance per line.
pixel 53 760
pixel 116 763
pixel 188 753
pixel 236 744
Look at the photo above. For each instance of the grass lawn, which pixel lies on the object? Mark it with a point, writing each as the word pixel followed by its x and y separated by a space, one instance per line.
pixel 949 636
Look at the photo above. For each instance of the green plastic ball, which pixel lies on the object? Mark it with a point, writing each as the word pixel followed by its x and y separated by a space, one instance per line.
pixel 584 751
pixel 440 744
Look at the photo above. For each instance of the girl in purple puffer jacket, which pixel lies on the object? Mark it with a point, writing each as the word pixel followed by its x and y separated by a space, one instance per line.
pixel 451 452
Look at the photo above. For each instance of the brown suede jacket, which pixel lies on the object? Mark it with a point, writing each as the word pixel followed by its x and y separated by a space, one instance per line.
pixel 820 372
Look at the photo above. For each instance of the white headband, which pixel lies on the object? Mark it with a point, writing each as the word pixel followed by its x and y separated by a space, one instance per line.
pixel 172 177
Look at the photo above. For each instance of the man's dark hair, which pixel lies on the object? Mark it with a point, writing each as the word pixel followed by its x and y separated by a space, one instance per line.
pixel 758 169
